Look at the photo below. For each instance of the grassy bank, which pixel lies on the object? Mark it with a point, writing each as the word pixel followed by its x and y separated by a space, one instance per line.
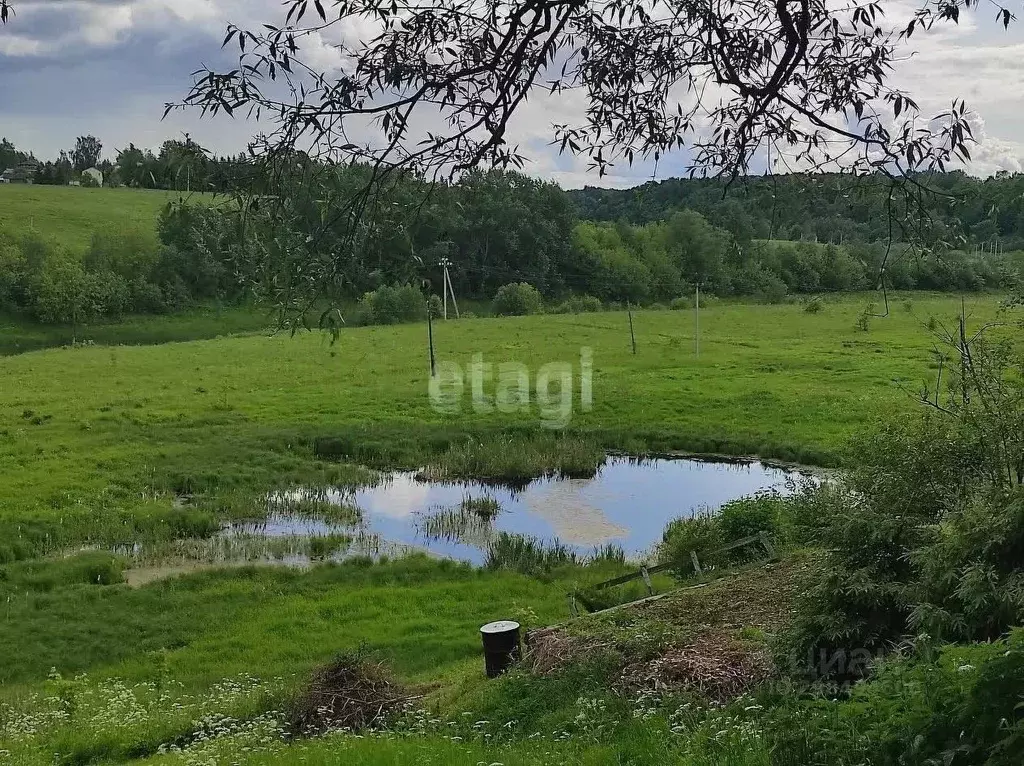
pixel 18 335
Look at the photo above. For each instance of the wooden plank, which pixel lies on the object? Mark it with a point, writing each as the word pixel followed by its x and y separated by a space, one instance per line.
pixel 647 581
pixel 766 541
pixel 618 580
pixel 737 544
pixel 645 572
pixel 696 563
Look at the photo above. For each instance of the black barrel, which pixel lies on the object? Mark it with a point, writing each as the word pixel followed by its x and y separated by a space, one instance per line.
pixel 501 646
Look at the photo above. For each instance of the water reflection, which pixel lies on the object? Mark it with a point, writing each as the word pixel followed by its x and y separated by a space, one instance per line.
pixel 628 503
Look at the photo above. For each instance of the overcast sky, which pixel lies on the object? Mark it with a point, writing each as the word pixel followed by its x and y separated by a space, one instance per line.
pixel 106 67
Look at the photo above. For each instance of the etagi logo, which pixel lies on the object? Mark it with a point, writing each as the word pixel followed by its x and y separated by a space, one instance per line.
pixel 509 391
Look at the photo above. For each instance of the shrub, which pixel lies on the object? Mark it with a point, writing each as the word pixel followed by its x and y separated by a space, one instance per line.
pixel 391 305
pixel 863 322
pixel 147 298
pixel 957 708
pixel 750 516
pixel 770 290
pixel 815 305
pixel 699 533
pixel 131 253
pixel 435 306
pixel 517 299
pixel 578 304
pixel 681 303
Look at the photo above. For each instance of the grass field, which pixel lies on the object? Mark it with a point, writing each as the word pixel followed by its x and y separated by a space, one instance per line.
pixel 69 215
pixel 92 439
pixel 96 441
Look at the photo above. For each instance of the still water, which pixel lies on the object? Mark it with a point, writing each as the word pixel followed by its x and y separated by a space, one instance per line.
pixel 628 503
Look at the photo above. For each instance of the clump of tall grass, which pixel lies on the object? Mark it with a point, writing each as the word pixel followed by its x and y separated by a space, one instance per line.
pixel 457 525
pixel 316 506
pixel 517 458
pixel 486 507
pixel 528 555
pixel 609 553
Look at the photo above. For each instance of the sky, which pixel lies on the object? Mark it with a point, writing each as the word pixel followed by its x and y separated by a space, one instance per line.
pixel 107 67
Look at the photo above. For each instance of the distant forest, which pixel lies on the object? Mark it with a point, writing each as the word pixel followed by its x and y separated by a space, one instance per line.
pixel 769 239
pixel 966 212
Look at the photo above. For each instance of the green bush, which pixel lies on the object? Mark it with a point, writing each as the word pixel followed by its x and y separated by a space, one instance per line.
pixel 959 708
pixel 750 516
pixel 391 305
pixel 815 305
pixel 131 253
pixel 772 289
pixel 699 533
pixel 517 299
pixel 578 304
pixel 681 303
pixel 435 306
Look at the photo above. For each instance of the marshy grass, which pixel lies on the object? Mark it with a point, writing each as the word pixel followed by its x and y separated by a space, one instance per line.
pixel 517 459
pixel 315 505
pixel 486 507
pixel 528 555
pixel 471 522
pixel 455 525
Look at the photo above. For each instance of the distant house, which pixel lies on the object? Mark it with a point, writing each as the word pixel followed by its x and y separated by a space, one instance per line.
pixel 94 175
pixel 22 173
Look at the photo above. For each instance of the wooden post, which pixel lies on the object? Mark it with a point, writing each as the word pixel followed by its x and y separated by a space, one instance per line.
pixel 647 580
pixel 632 337
pixel 696 563
pixel 448 281
pixel 766 541
pixel 696 324
pixel 430 338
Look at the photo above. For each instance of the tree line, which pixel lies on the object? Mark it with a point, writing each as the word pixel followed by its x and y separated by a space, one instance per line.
pixel 179 165
pixel 960 211
pixel 293 248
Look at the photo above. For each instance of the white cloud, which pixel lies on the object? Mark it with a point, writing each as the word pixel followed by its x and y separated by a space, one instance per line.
pixel 119 61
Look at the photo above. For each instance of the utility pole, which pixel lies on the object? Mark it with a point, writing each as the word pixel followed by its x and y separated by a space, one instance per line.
pixel 632 337
pixel 696 323
pixel 444 263
pixel 430 341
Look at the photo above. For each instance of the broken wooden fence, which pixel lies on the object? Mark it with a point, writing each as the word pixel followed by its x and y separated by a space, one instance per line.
pixel 644 573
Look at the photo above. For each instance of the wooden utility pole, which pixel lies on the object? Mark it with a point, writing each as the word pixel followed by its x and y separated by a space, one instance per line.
pixel 430 341
pixel 632 337
pixel 447 284
pixel 696 323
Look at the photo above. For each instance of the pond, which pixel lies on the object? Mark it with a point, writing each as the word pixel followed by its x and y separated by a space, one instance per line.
pixel 628 503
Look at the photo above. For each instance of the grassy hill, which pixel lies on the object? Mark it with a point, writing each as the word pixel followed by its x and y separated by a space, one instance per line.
pixel 69 215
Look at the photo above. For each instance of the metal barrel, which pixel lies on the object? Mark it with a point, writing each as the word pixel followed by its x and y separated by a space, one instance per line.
pixel 501 646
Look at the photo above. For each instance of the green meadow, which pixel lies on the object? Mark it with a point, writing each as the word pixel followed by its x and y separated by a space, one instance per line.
pixel 69 215
pixel 99 443
pixel 96 440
